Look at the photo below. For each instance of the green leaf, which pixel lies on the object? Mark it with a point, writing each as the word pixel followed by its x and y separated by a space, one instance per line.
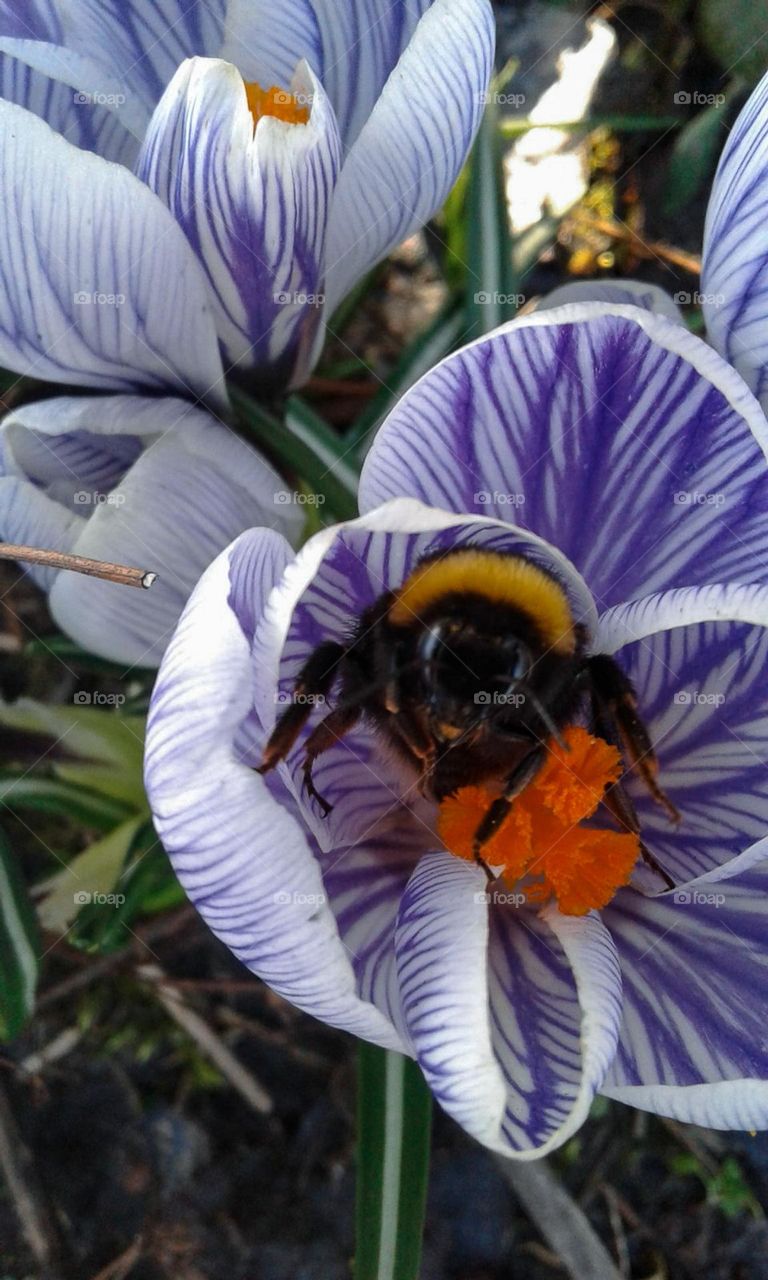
pixel 491 295
pixel 394 1119
pixel 60 799
pixel 97 749
pixel 19 947
pixel 442 336
pixel 735 34
pixel 89 879
pixel 145 885
pixel 693 159
pixel 305 446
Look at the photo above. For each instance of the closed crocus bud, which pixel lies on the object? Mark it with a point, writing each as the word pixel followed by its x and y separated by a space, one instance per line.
pixel 134 480
pixel 267 156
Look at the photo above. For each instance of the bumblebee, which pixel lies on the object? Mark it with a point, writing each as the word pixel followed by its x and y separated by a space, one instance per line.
pixel 469 671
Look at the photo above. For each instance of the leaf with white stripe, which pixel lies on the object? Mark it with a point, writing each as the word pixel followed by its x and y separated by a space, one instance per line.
pixel 19 947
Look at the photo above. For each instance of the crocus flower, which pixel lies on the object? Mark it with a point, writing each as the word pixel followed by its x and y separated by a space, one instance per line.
pixel 609 446
pixel 152 482
pixel 191 187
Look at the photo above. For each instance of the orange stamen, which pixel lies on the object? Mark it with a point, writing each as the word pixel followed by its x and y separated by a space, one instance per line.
pixel 275 102
pixel 581 867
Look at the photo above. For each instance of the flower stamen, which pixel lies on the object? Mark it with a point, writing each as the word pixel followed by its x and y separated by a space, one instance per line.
pixel 275 102
pixel 542 836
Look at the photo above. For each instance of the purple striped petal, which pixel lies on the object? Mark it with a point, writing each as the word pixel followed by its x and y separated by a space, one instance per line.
pixel 253 205
pixel 82 118
pixel 361 44
pixel 695 998
pixel 734 266
pixel 217 817
pixel 411 149
pixel 611 432
pixel 30 518
pixel 266 41
pixel 622 293
pixel 555 997
pixel 514 1025
pixel 30 19
pixel 698 660
pixel 84 246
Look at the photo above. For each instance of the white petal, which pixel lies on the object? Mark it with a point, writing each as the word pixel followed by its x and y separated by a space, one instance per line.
pixel 411 149
pixel 84 249
pixel 242 858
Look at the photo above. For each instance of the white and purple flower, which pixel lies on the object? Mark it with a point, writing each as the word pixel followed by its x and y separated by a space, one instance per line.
pixel 190 188
pixel 625 456
pixel 153 482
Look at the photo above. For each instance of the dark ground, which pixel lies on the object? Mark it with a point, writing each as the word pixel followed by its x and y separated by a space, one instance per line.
pixel 143 1160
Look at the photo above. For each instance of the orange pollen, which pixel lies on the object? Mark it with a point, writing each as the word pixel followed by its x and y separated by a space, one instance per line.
pixel 275 102
pixel 541 837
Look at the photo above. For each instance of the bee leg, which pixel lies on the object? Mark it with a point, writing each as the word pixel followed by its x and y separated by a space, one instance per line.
pixel 329 731
pixel 515 782
pixel 614 707
pixel 622 810
pixel 314 681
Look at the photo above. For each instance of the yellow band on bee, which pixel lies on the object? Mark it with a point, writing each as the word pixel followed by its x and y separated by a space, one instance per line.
pixel 502 579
